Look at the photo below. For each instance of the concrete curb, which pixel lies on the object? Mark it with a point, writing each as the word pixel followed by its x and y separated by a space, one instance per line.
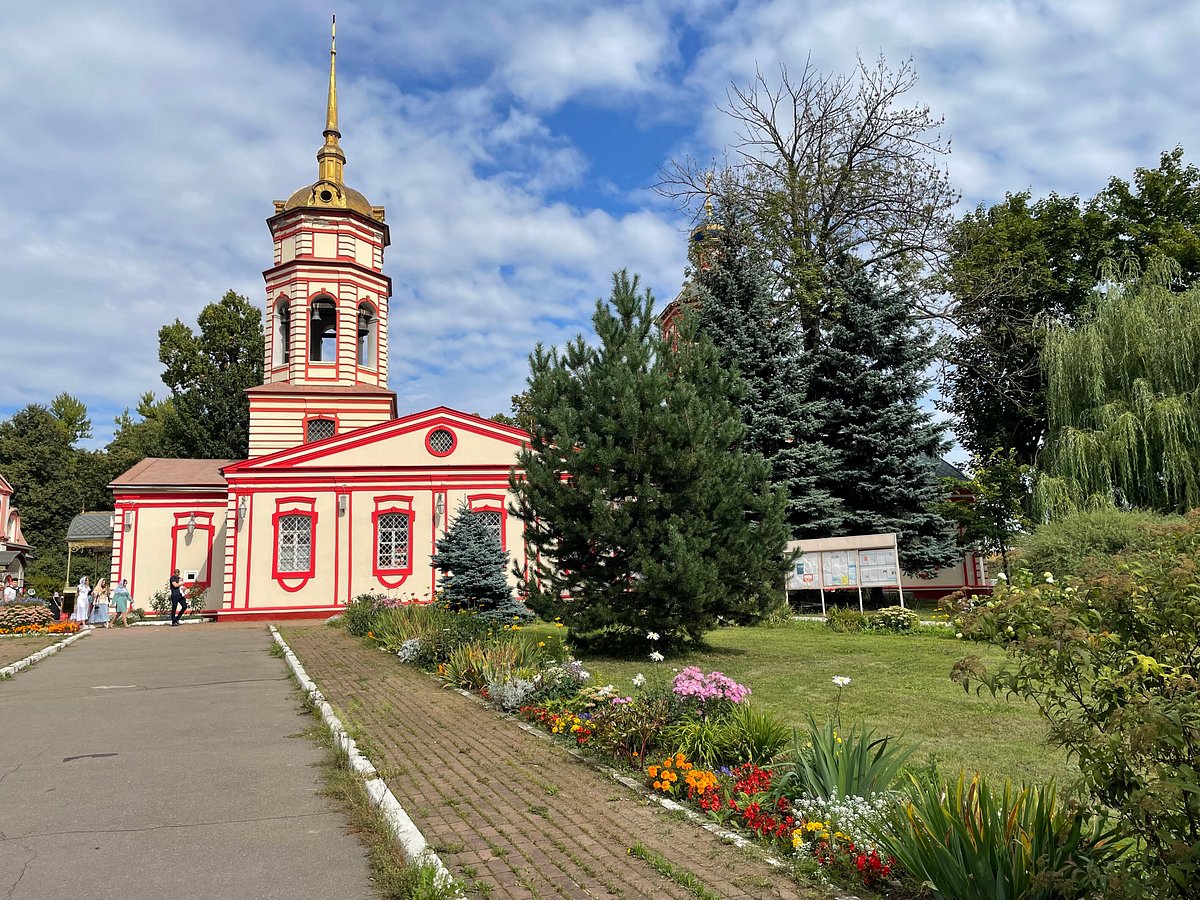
pixel 11 670
pixel 412 842
pixel 729 837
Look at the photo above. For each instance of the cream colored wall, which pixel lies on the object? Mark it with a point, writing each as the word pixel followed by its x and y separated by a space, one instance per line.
pixel 277 422
pixel 144 552
pixel 409 450
pixel 345 546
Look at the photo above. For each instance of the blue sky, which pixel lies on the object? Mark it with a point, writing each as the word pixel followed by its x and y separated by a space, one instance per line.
pixel 514 144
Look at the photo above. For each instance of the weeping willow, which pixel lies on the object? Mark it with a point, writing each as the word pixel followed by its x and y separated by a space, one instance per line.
pixel 1123 392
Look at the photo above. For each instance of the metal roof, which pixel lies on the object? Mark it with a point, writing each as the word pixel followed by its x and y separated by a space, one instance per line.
pixel 90 527
pixel 174 473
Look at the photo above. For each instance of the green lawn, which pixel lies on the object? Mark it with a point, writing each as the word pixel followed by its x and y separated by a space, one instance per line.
pixel 900 685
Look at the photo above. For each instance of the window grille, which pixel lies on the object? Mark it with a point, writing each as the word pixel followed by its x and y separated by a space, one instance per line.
pixel 442 441
pixel 295 544
pixel 319 429
pixel 491 518
pixel 392 547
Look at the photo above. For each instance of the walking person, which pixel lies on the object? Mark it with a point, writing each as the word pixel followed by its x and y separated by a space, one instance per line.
pixel 122 601
pixel 100 599
pixel 82 603
pixel 177 598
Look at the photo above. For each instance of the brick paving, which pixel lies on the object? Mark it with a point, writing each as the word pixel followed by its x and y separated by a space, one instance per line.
pixel 513 816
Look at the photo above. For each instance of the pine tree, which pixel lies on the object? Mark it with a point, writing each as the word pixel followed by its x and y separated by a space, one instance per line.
pixel 473 568
pixel 868 375
pixel 736 309
pixel 641 510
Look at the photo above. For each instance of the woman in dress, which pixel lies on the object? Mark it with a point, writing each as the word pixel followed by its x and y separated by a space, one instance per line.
pixel 122 601
pixel 82 603
pixel 99 614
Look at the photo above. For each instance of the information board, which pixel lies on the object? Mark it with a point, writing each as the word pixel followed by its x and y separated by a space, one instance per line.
pixel 840 568
pixel 806 572
pixel 877 568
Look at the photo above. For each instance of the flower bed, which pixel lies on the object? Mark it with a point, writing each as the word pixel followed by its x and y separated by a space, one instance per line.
pixel 49 628
pixel 827 795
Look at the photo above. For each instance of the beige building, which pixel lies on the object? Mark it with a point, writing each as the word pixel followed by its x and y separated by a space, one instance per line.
pixel 339 496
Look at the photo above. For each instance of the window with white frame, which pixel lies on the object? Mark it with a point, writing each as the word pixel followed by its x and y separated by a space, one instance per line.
pixel 294 543
pixel 392 541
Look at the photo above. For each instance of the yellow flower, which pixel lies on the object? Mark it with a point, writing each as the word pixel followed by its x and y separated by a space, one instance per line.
pixel 541 643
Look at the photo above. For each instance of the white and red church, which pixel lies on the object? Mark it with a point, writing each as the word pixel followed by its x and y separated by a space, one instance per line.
pixel 339 496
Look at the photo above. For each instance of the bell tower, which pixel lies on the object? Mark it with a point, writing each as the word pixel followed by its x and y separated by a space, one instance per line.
pixel 325 370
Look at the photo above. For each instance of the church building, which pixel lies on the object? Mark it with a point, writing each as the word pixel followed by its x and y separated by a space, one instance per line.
pixel 339 496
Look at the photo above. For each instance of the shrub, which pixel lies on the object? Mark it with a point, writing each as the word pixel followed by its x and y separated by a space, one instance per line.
pixel 755 735
pixel 474 569
pixel 969 844
pixel 17 615
pixel 846 620
pixel 893 618
pixel 1111 661
pixel 1065 546
pixel 360 614
pixel 476 665
pixel 510 693
pixel 825 762
pixel 708 742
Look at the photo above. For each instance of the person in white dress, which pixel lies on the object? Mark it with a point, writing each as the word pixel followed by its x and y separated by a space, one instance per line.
pixel 82 603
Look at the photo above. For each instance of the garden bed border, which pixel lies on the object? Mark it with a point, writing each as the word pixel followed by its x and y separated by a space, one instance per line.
pixel 13 668
pixel 412 842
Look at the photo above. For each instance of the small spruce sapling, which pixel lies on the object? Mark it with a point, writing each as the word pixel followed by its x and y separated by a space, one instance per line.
pixel 473 568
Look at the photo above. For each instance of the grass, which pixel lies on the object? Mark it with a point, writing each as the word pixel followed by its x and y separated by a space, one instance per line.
pixel 667 869
pixel 900 685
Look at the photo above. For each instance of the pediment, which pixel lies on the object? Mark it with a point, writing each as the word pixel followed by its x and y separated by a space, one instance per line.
pixel 432 438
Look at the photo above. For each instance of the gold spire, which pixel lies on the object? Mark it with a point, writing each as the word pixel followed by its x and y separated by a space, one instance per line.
pixel 330 158
pixel 708 204
pixel 331 106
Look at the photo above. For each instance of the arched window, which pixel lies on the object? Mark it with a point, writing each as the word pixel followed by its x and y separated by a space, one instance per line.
pixel 293 547
pixel 366 336
pixel 322 331
pixel 283 332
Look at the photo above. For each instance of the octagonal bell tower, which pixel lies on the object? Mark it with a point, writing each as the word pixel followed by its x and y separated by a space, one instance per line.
pixel 325 370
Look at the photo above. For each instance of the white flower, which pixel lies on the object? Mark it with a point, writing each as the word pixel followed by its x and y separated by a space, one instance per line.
pixel 639 679
pixel 652 635
pixel 958 635
pixel 1049 576
pixel 841 680
pixel 1002 577
pixel 656 657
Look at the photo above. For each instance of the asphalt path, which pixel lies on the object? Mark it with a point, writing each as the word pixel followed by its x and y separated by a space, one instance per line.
pixel 166 763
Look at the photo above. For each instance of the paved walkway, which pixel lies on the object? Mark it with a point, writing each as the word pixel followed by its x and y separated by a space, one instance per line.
pixel 166 762
pixel 513 816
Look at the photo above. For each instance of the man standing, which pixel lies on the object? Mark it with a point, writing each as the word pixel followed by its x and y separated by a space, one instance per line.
pixel 177 598
pixel 10 590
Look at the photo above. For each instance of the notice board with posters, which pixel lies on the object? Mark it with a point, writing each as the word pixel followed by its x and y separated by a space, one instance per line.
pixel 851 562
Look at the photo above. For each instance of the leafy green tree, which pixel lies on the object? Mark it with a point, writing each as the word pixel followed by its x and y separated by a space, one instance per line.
pixel 1112 661
pixel 731 292
pixel 1158 215
pixel 1013 268
pixel 73 415
pixel 136 439
pixel 474 568
pixel 992 517
pixel 641 510
pixel 208 374
pixel 1124 402
pixel 52 481
pixel 868 378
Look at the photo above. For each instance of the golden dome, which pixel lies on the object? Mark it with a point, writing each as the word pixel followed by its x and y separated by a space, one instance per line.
pixel 331 195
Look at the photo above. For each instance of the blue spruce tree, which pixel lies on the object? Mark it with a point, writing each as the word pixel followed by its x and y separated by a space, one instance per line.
pixel 867 378
pixel 473 569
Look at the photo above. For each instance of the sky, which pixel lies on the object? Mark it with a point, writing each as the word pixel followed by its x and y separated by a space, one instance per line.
pixel 514 143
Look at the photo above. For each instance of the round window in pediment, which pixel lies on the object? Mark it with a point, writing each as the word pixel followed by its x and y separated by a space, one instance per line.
pixel 441 441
